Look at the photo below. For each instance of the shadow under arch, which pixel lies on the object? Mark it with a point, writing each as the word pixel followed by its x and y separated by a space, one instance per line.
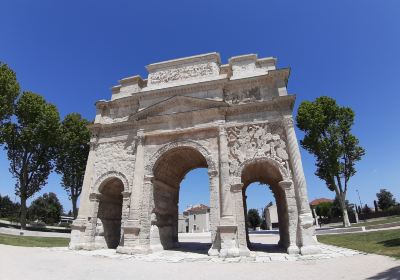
pixel 267 172
pixel 171 163
pixel 110 211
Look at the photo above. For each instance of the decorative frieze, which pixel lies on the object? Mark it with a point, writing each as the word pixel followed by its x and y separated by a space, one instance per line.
pixel 264 140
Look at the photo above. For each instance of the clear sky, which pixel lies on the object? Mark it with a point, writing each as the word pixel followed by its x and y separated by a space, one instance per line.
pixel 72 52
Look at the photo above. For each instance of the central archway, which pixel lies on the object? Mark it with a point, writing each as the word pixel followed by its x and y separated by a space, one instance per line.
pixel 168 172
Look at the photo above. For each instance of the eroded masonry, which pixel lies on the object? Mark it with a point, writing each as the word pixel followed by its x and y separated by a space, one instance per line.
pixel 234 119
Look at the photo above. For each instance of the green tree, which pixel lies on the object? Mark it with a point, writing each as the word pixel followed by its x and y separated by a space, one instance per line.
pixel 72 154
pixel 376 206
pixel 328 137
pixel 253 218
pixel 9 91
pixel 8 209
pixel 385 199
pixel 324 209
pixel 30 140
pixel 46 208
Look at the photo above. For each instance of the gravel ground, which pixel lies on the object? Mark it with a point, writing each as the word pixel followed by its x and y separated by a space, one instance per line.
pixel 60 263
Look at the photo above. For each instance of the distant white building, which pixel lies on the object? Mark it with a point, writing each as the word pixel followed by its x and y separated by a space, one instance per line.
pixel 271 217
pixel 195 219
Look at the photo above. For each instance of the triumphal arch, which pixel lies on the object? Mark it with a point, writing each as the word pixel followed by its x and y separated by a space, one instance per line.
pixel 234 119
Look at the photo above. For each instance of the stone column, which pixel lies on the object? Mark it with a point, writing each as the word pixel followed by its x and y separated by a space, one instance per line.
pixel 79 225
pixel 290 195
pixel 227 228
pixel 214 212
pixel 147 219
pixel 90 231
pixel 131 226
pixel 240 213
pixel 306 220
pixel 226 199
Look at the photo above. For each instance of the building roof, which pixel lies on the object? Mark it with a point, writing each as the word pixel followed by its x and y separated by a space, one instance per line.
pixel 196 208
pixel 318 201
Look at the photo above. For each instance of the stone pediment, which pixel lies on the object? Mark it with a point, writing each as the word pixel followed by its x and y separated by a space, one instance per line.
pixel 177 104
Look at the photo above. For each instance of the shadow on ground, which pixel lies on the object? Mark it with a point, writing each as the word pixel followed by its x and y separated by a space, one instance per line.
pixel 266 248
pixel 202 248
pixel 193 247
pixel 390 274
pixel 391 243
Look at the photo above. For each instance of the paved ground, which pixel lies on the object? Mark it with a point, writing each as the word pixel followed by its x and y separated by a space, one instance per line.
pixel 59 263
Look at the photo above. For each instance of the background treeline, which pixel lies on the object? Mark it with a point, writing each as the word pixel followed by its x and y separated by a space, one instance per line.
pixel 38 142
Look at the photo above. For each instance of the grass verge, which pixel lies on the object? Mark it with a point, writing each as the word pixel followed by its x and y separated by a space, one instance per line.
pixel 29 241
pixel 392 219
pixel 384 242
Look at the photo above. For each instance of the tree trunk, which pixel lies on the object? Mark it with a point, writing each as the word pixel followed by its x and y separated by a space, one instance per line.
pixel 345 215
pixel 74 200
pixel 23 212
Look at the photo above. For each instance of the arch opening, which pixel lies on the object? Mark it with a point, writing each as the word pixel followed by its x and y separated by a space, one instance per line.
pixel 169 171
pixel 269 176
pixel 110 212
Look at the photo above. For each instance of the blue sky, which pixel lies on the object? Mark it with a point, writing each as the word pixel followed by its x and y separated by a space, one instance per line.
pixel 72 52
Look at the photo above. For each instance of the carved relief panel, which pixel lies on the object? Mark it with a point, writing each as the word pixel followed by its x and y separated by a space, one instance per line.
pixel 265 140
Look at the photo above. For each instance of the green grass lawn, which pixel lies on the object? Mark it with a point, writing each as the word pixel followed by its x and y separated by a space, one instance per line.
pixel 28 241
pixel 385 242
pixel 387 220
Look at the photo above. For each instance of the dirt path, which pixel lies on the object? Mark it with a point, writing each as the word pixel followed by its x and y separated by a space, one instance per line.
pixel 42 264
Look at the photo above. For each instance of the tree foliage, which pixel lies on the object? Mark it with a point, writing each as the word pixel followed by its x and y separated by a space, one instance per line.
pixel 9 91
pixel 385 199
pixel 72 154
pixel 46 208
pixel 328 137
pixel 30 140
pixel 253 218
pixel 324 209
pixel 8 208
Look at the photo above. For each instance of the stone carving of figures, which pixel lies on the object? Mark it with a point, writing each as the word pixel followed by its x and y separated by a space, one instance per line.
pixel 252 141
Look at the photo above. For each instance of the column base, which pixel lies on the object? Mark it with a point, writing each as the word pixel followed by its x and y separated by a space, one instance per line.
pixel 229 246
pixel 132 250
pixel 213 252
pixel 244 251
pixel 293 250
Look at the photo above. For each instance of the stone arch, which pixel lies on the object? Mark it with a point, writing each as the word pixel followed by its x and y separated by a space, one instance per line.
pixel 109 189
pixel 176 144
pixel 283 170
pixel 167 167
pixel 110 175
pixel 271 172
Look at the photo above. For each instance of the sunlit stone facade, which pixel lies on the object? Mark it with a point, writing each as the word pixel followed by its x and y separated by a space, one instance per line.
pixel 234 119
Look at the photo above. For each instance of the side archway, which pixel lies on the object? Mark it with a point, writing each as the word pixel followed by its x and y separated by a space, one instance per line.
pixel 272 173
pixel 109 189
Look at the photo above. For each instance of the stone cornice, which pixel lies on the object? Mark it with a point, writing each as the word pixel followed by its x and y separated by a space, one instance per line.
pixel 214 56
pixel 220 82
pixel 178 100
pixel 276 104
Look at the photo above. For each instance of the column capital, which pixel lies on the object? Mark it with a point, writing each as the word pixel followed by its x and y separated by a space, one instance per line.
pixel 126 194
pixel 94 197
pixel 237 187
pixel 286 184
pixel 288 122
pixel 140 137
